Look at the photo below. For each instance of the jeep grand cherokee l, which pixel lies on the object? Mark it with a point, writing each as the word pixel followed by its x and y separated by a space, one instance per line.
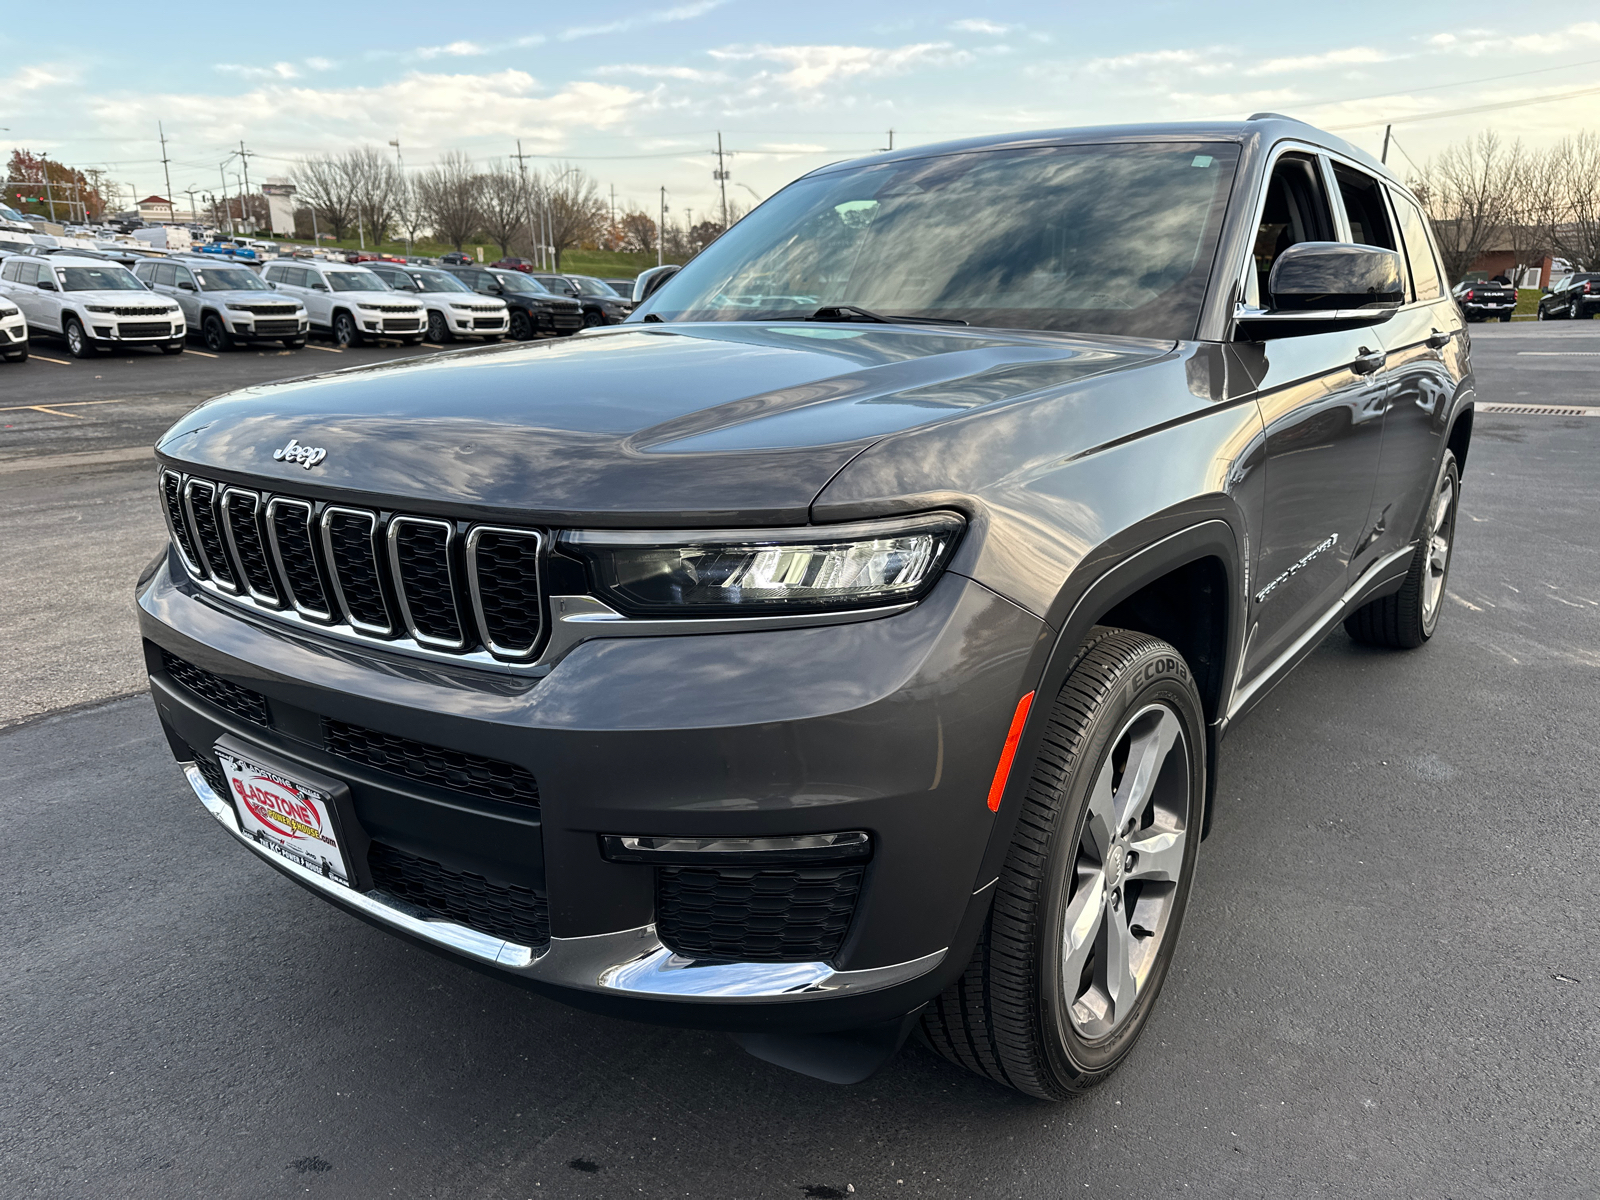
pixel 844 642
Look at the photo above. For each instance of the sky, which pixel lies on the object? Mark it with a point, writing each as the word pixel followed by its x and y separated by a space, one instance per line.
pixel 636 93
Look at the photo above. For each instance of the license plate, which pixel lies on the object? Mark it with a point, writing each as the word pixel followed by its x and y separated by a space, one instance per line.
pixel 286 815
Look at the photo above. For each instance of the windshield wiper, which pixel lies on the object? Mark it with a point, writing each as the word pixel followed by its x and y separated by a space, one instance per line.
pixel 854 312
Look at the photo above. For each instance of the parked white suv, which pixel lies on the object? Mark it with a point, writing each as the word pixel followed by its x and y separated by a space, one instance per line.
pixel 13 332
pixel 454 309
pixel 350 302
pixel 93 303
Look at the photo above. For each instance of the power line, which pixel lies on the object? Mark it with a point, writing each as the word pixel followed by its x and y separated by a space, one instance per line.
pixel 1462 112
pixel 1434 87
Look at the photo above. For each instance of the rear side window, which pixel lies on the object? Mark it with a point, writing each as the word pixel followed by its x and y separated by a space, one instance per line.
pixel 1296 211
pixel 9 271
pixel 1363 208
pixel 1425 282
pixel 166 275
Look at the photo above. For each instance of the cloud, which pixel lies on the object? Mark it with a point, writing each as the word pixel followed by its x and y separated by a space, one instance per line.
pixel 687 74
pixel 33 79
pixel 452 50
pixel 812 67
pixel 979 25
pixel 1353 56
pixel 279 70
pixel 1200 62
pixel 683 12
pixel 321 64
pixel 1475 43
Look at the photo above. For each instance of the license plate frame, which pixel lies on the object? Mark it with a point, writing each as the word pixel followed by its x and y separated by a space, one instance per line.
pixel 295 813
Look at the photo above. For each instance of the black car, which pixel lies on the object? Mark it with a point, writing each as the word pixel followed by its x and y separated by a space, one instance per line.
pixel 533 309
pixel 601 306
pixel 456 258
pixel 1574 298
pixel 845 642
pixel 1485 300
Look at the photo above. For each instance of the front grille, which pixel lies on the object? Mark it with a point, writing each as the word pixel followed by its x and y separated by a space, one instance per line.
pixel 393 325
pixel 211 771
pixel 141 312
pixel 271 310
pixel 454 770
pixel 276 327
pixel 797 914
pixel 213 689
pixel 568 320
pixel 150 329
pixel 425 583
pixel 489 322
pixel 505 910
pixel 392 308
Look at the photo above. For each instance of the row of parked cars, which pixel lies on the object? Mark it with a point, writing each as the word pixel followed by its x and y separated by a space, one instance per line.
pixel 100 300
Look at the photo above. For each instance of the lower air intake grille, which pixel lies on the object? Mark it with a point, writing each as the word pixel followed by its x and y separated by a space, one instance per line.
pixel 504 910
pixel 213 774
pixel 146 329
pixel 799 914
pixel 213 689
pixel 470 774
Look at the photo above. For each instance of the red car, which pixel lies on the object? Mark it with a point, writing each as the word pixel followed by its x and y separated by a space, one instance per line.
pixel 360 256
pixel 513 264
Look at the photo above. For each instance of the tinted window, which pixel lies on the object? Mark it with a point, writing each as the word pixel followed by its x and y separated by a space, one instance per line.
pixel 181 276
pixel 1296 210
pixel 355 281
pixel 1363 208
pixel 99 279
pixel 515 281
pixel 437 281
pixel 9 270
pixel 232 279
pixel 145 271
pixel 166 276
pixel 1115 238
pixel 1419 252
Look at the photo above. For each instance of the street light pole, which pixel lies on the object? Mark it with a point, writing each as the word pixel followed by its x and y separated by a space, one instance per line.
pixel 661 229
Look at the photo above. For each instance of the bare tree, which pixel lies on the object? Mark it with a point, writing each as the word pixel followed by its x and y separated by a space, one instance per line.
pixel 448 194
pixel 320 183
pixel 1468 191
pixel 373 181
pixel 1575 216
pixel 409 211
pixel 573 210
pixel 503 206
pixel 638 232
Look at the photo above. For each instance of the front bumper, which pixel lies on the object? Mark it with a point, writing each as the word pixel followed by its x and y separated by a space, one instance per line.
pixel 890 726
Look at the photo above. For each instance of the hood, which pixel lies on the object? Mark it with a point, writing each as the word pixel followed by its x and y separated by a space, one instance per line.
pixel 253 296
pixel 639 424
pixel 370 297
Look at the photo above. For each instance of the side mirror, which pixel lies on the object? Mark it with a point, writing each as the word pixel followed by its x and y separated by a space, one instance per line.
pixel 1317 287
pixel 185 285
pixel 319 287
pixel 649 282
pixel 496 290
pixel 48 285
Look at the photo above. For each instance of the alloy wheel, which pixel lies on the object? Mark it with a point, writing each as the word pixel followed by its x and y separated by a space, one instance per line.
pixel 1438 549
pixel 438 331
pixel 1126 873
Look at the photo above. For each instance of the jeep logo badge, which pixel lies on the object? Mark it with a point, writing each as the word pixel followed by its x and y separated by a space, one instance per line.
pixel 306 456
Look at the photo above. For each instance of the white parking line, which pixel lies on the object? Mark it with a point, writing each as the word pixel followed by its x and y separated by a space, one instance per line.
pixel 1560 353
pixel 324 349
pixel 201 353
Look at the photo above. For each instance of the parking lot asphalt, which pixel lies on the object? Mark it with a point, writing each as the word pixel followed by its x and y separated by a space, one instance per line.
pixel 1387 984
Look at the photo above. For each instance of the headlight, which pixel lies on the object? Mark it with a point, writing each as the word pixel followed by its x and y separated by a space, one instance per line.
pixel 101 308
pixel 240 307
pixel 463 307
pixel 7 313
pixel 860 565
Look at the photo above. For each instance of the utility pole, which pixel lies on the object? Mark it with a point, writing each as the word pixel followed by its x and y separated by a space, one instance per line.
pixel 227 209
pixel 48 191
pixel 613 206
pixel 891 139
pixel 193 215
pixel 722 180
pixel 166 170
pixel 661 229
pixel 404 195
pixel 1387 130
pixel 244 197
pixel 527 199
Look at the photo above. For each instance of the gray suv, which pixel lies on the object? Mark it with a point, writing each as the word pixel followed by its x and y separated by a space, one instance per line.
pixel 846 641
pixel 227 305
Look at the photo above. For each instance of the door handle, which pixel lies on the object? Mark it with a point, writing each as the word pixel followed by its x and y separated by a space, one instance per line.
pixel 1368 362
pixel 1438 341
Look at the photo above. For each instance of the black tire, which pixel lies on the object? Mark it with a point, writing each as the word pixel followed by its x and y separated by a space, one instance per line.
pixel 345 331
pixel 1541 315
pixel 172 347
pixel 521 326
pixel 1409 617
pixel 439 328
pixel 591 319
pixel 1009 1018
pixel 79 343
pixel 1506 317
pixel 215 334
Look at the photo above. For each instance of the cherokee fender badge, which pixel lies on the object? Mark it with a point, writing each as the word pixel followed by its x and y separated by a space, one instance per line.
pixel 306 456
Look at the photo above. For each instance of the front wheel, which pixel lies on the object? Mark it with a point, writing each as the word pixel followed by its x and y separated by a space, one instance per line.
pixel 345 333
pixel 1408 618
pixel 438 328
pixel 1089 902
pixel 521 327
pixel 215 335
pixel 78 342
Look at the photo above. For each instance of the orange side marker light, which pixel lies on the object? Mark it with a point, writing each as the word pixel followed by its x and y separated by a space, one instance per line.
pixel 1003 771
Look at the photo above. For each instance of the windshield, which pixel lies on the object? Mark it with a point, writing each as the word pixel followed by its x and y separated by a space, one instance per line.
pixel 356 281
pixel 227 279
pixel 98 279
pixel 9 213
pixel 437 281
pixel 1109 239
pixel 592 287
pixel 515 281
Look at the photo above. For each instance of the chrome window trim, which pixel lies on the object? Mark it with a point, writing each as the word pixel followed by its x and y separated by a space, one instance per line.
pixel 209 572
pixel 189 564
pixel 631 961
pixel 316 617
pixel 475 589
pixel 391 536
pixel 228 496
pixel 340 510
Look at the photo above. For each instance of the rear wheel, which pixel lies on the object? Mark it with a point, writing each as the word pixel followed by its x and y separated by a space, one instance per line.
pixel 1409 617
pixel 345 332
pixel 1505 316
pixel 521 327
pixel 78 342
pixel 215 334
pixel 1088 906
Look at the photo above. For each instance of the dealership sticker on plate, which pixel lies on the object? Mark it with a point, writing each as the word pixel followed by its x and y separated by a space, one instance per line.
pixel 286 816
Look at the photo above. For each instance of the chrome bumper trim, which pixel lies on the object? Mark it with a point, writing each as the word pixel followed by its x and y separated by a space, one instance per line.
pixel 632 962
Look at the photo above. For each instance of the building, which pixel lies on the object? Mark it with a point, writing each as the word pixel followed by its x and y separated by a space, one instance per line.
pixel 155 210
pixel 280 204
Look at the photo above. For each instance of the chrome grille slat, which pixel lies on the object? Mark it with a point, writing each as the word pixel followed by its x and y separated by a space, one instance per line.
pixel 411 583
pixel 200 506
